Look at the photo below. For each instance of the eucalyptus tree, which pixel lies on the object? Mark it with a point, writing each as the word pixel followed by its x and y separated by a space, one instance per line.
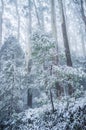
pixel 83 11
pixel 84 20
pixel 64 32
pixel 37 15
pixel 82 6
pixel 54 26
pixel 18 19
pixel 1 19
pixel 28 53
pixel 30 16
pixel 41 12
pixel 66 42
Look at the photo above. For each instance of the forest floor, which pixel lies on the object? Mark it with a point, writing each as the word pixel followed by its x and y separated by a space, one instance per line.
pixel 42 118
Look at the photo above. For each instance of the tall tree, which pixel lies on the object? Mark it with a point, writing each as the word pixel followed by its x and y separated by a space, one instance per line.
pixel 66 43
pixel 18 18
pixel 37 15
pixel 83 12
pixel 64 32
pixel 1 20
pixel 41 13
pixel 30 17
pixel 84 20
pixel 82 8
pixel 28 33
pixel 54 27
pixel 28 51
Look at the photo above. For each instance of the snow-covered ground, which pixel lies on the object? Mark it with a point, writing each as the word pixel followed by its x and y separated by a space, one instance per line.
pixel 42 118
pixel 60 106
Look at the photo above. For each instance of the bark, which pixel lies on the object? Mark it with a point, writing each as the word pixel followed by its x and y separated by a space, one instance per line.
pixel 84 20
pixel 41 14
pixel 1 20
pixel 30 17
pixel 65 40
pixel 11 107
pixel 18 18
pixel 65 36
pixel 28 33
pixel 54 32
pixel 28 52
pixel 83 13
pixel 54 28
pixel 29 101
pixel 53 19
pixel 39 25
pixel 51 97
pixel 29 92
pixel 59 89
pixel 83 47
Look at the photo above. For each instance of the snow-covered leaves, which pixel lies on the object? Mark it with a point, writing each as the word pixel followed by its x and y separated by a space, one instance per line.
pixel 43 56
pixel 43 119
pixel 12 65
pixel 43 47
pixel 67 74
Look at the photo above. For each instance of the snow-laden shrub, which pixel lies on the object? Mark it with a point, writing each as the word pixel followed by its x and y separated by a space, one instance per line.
pixel 73 118
pixel 69 75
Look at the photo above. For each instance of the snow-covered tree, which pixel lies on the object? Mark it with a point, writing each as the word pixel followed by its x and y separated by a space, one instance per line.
pixel 12 64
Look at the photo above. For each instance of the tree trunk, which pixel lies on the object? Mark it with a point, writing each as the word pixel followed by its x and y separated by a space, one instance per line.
pixel 41 13
pixel 39 25
pixel 51 98
pixel 29 30
pixel 18 19
pixel 83 13
pixel 29 101
pixel 1 21
pixel 53 20
pixel 65 37
pixel 84 20
pixel 28 52
pixel 83 47
pixel 51 95
pixel 54 27
pixel 30 17
pixel 0 28
pixel 65 40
